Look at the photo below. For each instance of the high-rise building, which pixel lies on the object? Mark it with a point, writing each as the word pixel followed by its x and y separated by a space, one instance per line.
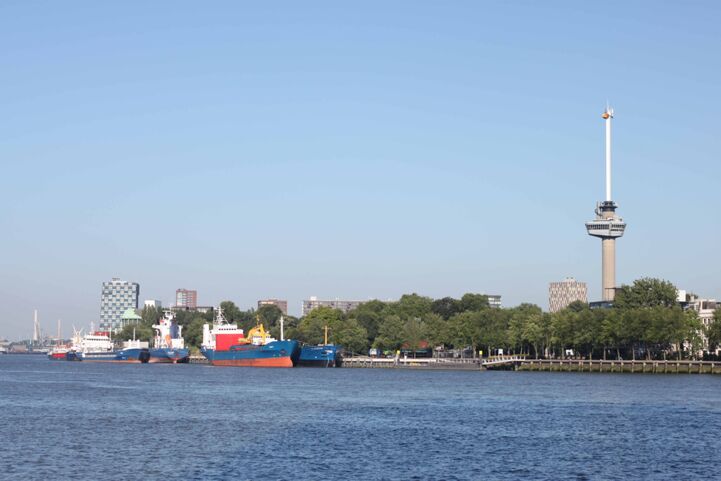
pixel 561 294
pixel 607 225
pixel 279 303
pixel 494 300
pixel 154 303
pixel 186 298
pixel 314 302
pixel 115 298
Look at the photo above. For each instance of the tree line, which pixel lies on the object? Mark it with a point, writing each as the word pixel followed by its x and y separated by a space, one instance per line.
pixel 645 322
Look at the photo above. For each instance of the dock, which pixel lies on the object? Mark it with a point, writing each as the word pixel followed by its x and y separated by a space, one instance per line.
pixel 466 364
pixel 619 366
pixel 521 363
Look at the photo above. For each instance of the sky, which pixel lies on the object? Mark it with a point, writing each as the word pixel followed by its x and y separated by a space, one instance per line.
pixel 350 149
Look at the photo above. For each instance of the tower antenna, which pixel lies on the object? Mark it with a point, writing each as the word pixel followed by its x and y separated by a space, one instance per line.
pixel 607 225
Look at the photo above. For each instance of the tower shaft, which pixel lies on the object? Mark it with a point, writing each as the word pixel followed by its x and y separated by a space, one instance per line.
pixel 607 226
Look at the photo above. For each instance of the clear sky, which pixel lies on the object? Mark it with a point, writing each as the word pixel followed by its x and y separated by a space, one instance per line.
pixel 351 150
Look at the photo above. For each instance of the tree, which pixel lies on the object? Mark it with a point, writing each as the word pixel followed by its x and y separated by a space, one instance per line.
pixel 269 315
pixel 646 292
pixel 446 307
pixel 413 334
pixel 139 331
pixel 413 305
pixel 193 332
pixel 577 306
pixel 390 333
pixel 351 335
pixel 714 331
pixel 369 315
pixel 311 328
pixel 151 315
pixel 474 302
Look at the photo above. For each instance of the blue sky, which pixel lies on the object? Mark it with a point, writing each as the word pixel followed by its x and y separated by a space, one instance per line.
pixel 290 149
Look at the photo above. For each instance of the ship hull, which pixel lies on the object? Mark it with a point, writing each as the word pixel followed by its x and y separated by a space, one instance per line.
pixel 130 356
pixel 274 354
pixel 320 356
pixel 168 356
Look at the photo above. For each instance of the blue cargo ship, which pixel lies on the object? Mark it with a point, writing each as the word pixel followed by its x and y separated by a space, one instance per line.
pixel 225 344
pixel 325 355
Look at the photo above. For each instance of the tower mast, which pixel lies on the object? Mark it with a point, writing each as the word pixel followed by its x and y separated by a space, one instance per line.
pixel 607 116
pixel 607 225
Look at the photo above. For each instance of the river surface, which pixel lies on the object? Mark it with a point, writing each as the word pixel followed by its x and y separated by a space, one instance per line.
pixel 85 421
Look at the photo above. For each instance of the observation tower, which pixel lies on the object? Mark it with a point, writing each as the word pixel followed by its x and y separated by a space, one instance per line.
pixel 607 225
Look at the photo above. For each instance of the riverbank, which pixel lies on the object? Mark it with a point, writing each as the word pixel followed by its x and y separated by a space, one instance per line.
pixel 625 366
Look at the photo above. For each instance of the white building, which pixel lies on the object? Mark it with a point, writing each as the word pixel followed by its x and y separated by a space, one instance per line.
pixel 153 303
pixel 314 302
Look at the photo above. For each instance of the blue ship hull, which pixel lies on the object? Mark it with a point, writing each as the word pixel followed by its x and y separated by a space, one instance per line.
pixel 126 355
pixel 273 354
pixel 328 355
pixel 167 355
pixel 133 355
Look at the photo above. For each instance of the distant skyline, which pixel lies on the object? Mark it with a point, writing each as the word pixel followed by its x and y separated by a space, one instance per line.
pixel 356 151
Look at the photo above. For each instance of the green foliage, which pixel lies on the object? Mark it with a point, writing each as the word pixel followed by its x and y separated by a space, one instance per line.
pixel 646 292
pixel 645 321
pixel 269 315
pixel 141 331
pixel 311 328
pixel 151 315
pixel 446 307
pixel 193 332
pixel 413 305
pixel 474 302
pixel 414 332
pixel 351 335
pixel 714 331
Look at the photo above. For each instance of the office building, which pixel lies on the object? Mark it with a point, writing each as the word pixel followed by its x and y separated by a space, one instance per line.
pixel 186 298
pixel 493 300
pixel 115 298
pixel 279 303
pixel 154 303
pixel 561 294
pixel 314 302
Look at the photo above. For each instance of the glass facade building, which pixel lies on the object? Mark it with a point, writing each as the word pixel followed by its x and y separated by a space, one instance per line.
pixel 116 297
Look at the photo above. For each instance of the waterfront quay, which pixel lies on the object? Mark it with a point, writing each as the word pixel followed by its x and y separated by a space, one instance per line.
pixel 619 366
pixel 520 363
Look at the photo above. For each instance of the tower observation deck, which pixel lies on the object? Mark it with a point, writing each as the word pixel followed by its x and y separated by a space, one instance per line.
pixel 607 226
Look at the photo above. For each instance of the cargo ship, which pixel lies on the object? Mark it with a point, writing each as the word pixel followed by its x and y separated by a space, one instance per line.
pixel 225 344
pixel 99 347
pixel 322 355
pixel 169 345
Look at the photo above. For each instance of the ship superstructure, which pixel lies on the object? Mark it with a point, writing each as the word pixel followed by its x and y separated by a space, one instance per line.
pixel 168 345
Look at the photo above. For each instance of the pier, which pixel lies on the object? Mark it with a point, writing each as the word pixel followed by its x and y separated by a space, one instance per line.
pixel 619 366
pixel 432 363
pixel 520 363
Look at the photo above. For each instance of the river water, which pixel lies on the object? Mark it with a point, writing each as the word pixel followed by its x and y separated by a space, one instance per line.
pixel 85 421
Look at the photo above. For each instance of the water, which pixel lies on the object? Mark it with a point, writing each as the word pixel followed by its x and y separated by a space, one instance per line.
pixel 84 421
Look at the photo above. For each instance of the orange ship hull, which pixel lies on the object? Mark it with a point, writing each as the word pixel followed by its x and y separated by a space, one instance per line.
pixel 267 362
